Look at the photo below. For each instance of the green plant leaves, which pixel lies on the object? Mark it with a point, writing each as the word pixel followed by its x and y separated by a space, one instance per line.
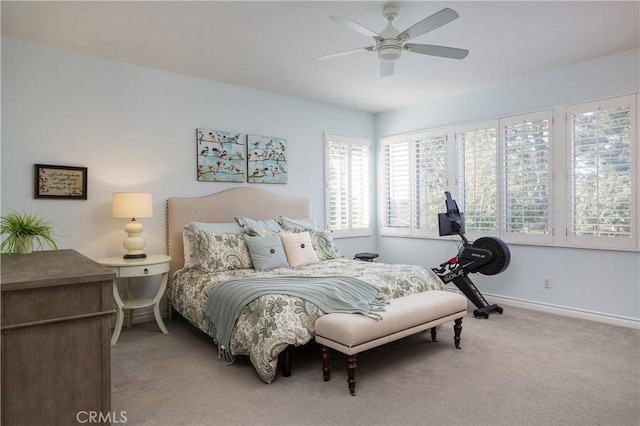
pixel 22 227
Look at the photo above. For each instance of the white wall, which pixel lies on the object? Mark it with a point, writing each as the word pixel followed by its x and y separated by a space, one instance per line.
pixel 134 128
pixel 603 282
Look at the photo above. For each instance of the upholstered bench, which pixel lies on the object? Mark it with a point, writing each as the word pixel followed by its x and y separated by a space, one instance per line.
pixel 354 333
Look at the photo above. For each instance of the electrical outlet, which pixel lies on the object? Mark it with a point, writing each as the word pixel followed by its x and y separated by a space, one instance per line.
pixel 547 282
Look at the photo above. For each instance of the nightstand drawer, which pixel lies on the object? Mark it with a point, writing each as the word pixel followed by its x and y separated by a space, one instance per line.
pixel 142 270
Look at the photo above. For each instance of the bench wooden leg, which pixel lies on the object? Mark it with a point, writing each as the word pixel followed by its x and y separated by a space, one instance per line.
pixel 457 329
pixel 351 373
pixel 434 333
pixel 326 373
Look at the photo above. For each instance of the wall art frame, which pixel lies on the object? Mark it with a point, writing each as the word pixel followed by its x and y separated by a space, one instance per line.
pixel 221 156
pixel 60 182
pixel 266 159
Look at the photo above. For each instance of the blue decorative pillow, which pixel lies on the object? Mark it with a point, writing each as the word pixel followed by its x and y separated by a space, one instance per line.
pixel 268 224
pixel 266 252
pixel 298 224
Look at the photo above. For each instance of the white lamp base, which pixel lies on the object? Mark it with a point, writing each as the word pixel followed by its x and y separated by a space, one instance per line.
pixel 134 244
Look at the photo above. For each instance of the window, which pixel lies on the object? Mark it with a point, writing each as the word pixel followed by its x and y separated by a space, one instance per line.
pixel 414 179
pixel 521 178
pixel 478 177
pixel 526 191
pixel 396 186
pixel 348 183
pixel 430 180
pixel 601 173
pixel 504 179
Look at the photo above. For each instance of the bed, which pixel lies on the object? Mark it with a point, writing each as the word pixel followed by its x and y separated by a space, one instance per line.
pixel 271 323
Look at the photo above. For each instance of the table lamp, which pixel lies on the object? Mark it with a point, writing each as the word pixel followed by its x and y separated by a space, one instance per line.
pixel 133 205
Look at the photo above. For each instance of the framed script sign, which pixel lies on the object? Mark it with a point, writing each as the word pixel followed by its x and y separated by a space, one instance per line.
pixel 60 182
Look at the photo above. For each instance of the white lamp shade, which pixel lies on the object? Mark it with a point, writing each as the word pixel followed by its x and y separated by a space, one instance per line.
pixel 132 204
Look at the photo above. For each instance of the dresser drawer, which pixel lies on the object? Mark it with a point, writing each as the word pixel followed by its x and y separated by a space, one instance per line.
pixel 51 303
pixel 142 270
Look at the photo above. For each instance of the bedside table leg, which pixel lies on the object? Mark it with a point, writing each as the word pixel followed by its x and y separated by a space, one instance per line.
pixel 156 312
pixel 130 295
pixel 119 313
pixel 156 302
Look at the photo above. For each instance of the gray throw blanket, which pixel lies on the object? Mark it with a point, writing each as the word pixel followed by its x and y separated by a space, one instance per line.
pixel 331 294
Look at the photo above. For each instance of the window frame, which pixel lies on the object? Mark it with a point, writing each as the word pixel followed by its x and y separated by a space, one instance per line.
pixel 460 195
pixel 382 195
pixel 514 237
pixel 414 140
pixel 411 139
pixel 349 141
pixel 599 242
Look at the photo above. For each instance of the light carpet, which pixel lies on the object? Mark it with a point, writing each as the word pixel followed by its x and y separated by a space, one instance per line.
pixel 520 368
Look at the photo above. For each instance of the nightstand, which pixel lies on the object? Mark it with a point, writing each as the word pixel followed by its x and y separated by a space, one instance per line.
pixel 153 264
pixel 366 257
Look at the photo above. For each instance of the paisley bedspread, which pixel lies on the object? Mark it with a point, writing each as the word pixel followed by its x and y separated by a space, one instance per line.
pixel 270 323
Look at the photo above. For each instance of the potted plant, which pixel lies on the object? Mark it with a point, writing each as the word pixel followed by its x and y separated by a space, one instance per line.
pixel 25 231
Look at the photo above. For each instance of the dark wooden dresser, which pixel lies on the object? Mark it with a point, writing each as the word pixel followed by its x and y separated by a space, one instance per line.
pixel 57 308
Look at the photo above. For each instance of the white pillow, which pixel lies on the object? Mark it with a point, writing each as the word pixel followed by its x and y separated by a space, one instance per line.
pixel 299 248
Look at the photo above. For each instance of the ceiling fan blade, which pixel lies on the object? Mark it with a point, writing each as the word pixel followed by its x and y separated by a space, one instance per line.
pixel 443 51
pixel 429 23
pixel 346 52
pixel 354 26
pixel 386 68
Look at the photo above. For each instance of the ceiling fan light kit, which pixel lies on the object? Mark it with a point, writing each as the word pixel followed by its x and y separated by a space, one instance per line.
pixel 390 42
pixel 389 51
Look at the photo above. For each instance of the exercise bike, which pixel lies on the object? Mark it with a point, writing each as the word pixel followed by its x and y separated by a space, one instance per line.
pixel 486 255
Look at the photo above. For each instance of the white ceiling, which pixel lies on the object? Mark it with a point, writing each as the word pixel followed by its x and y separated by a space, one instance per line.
pixel 271 46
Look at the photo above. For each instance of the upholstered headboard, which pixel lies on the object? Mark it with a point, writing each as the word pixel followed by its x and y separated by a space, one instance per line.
pixel 223 207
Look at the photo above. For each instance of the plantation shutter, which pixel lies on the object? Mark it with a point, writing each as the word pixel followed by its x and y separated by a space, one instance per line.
pixel 347 185
pixel 601 192
pixel 526 192
pixel 337 185
pixel 478 177
pixel 396 186
pixel 430 180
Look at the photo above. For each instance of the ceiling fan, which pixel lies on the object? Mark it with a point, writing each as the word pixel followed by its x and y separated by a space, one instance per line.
pixel 390 42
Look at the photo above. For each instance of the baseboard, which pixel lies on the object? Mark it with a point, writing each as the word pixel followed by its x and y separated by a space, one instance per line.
pixel 565 311
pixel 148 316
pixel 140 317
